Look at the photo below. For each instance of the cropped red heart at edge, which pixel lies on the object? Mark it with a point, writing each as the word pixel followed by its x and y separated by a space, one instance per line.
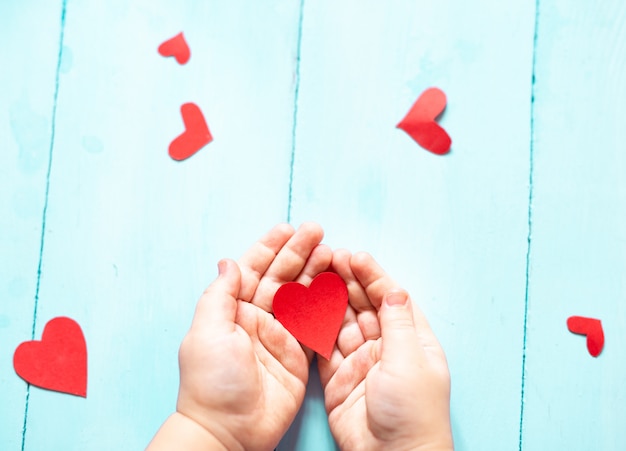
pixel 313 315
pixel 592 329
pixel 419 123
pixel 58 362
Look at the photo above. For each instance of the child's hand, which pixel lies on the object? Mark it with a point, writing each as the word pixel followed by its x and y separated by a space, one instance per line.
pixel 387 384
pixel 242 375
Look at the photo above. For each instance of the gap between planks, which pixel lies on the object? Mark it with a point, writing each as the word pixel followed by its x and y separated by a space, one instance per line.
pixel 44 215
pixel 294 123
pixel 531 168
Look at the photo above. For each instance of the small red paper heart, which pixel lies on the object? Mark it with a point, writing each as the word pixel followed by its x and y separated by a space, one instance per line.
pixel 195 136
pixel 58 362
pixel 313 315
pixel 590 327
pixel 419 123
pixel 176 47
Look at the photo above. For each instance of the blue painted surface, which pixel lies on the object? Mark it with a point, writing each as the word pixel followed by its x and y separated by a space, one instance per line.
pixel 26 96
pixel 519 227
pixel 578 253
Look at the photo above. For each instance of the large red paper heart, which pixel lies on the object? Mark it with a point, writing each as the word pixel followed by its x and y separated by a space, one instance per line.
pixel 58 362
pixel 176 47
pixel 590 327
pixel 419 123
pixel 313 315
pixel 195 136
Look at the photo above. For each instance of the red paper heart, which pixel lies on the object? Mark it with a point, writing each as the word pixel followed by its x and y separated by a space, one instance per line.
pixel 58 362
pixel 590 327
pixel 176 47
pixel 419 123
pixel 313 315
pixel 195 136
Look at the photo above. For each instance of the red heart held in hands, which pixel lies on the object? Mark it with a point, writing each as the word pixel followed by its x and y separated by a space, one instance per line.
pixel 419 123
pixel 195 136
pixel 176 47
pixel 313 315
pixel 58 362
pixel 590 327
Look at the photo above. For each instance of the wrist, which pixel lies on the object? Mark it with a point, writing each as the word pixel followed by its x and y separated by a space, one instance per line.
pixel 443 442
pixel 181 432
pixel 436 446
pixel 433 440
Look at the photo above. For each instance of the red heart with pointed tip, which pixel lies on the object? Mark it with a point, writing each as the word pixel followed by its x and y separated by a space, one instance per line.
pixel 195 136
pixel 176 47
pixel 419 123
pixel 313 315
pixel 590 327
pixel 58 362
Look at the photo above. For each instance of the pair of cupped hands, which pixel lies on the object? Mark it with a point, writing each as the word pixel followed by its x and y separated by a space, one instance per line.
pixel 243 376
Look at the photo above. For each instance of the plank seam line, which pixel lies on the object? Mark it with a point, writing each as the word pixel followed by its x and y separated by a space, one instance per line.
pixel 531 168
pixel 42 238
pixel 294 122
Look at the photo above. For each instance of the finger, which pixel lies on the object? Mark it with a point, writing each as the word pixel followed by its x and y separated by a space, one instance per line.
pixel 369 324
pixel 350 374
pixel 275 346
pixel 328 367
pixel 309 353
pixel 255 262
pixel 289 262
pixel 341 264
pixel 400 344
pixel 318 262
pixel 356 293
pixel 217 307
pixel 350 336
pixel 375 281
pixel 367 316
pixel 292 258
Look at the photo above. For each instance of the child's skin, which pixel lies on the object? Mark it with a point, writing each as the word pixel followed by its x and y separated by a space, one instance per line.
pixel 243 376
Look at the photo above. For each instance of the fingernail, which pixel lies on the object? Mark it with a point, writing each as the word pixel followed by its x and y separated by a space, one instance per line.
pixel 396 298
pixel 221 267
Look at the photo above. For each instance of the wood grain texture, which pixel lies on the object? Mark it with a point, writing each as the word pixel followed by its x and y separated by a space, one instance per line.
pixel 453 229
pixel 578 254
pixel 132 236
pixel 27 86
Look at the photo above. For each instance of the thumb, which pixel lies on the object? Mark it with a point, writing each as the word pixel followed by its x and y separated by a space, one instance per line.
pixel 217 306
pixel 398 331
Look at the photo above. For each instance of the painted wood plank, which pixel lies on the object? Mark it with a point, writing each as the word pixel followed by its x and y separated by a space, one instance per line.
pixel 453 229
pixel 578 253
pixel 27 81
pixel 133 236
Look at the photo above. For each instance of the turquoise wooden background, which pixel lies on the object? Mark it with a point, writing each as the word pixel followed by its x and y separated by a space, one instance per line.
pixel 522 225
